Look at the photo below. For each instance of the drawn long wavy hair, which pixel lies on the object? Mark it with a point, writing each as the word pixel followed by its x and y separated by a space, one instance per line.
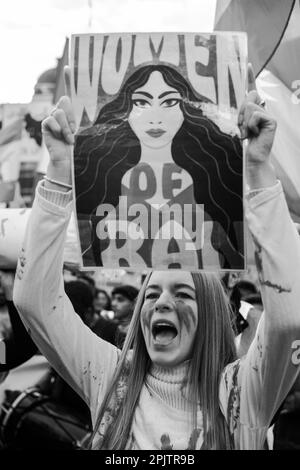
pixel 109 148
pixel 213 349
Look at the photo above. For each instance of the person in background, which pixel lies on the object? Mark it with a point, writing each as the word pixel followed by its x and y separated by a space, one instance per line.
pixel 5 325
pixel 287 422
pixel 240 290
pixel 255 300
pixel 81 295
pixel 245 288
pixel 88 280
pixel 123 302
pixel 18 345
pixel 102 304
pixel 103 325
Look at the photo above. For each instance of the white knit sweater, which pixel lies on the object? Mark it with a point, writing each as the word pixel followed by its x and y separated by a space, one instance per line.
pixel 251 389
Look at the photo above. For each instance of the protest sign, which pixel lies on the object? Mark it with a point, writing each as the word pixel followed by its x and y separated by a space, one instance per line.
pixel 158 161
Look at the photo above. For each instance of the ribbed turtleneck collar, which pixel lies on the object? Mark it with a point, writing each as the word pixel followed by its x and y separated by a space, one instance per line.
pixel 168 384
pixel 170 374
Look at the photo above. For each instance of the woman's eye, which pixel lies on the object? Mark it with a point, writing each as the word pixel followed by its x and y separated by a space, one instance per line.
pixel 170 102
pixel 183 295
pixel 152 295
pixel 141 103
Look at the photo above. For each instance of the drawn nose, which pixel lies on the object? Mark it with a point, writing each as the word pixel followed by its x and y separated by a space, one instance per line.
pixel 155 122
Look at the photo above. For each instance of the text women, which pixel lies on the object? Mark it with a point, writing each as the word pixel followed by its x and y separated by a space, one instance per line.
pixel 110 57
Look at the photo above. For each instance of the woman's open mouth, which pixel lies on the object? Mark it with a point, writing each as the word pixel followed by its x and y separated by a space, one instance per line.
pixel 155 132
pixel 163 332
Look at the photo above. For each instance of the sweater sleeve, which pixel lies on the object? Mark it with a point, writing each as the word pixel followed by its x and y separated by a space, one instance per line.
pixel 84 360
pixel 256 385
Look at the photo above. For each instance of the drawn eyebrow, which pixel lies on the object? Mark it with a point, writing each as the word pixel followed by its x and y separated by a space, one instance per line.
pixel 167 93
pixel 143 93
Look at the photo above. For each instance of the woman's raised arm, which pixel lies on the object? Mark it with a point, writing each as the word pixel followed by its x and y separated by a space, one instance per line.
pixel 84 360
pixel 258 383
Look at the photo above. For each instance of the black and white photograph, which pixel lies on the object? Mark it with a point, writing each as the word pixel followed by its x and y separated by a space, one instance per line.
pixel 149 228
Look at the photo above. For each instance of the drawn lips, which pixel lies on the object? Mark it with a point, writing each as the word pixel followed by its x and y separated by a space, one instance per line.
pixel 155 132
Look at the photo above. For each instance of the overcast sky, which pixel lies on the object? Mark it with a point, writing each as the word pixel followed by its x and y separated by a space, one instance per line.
pixel 32 32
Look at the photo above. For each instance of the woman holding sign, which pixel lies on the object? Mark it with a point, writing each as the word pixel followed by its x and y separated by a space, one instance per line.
pixel 180 387
pixel 154 145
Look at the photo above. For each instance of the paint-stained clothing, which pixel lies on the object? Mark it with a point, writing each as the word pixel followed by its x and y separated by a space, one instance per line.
pixel 251 389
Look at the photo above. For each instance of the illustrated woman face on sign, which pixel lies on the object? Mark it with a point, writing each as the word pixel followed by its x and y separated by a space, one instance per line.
pixel 155 119
pixel 156 115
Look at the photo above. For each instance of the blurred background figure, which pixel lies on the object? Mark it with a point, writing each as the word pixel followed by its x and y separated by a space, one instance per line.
pixel 255 300
pixel 23 157
pixel 19 346
pixel 5 325
pixel 102 304
pixel 287 426
pixel 247 307
pixel 123 302
pixel 239 292
pixel 81 295
pixel 87 279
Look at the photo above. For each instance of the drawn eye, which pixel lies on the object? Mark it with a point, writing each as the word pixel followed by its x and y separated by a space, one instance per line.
pixel 141 103
pixel 170 102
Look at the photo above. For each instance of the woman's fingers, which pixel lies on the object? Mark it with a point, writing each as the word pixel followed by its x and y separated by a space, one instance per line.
pixel 250 105
pixel 60 116
pixel 66 105
pixel 256 121
pixel 51 126
pixel 61 123
pixel 67 79
pixel 249 108
pixel 252 98
pixel 251 79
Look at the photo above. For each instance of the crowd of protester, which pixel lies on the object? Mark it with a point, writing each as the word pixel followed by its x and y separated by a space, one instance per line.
pixel 108 315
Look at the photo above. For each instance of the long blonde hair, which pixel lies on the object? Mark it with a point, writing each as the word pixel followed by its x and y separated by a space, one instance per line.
pixel 213 349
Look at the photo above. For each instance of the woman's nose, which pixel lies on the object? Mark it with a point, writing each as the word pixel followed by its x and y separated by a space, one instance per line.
pixel 164 303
